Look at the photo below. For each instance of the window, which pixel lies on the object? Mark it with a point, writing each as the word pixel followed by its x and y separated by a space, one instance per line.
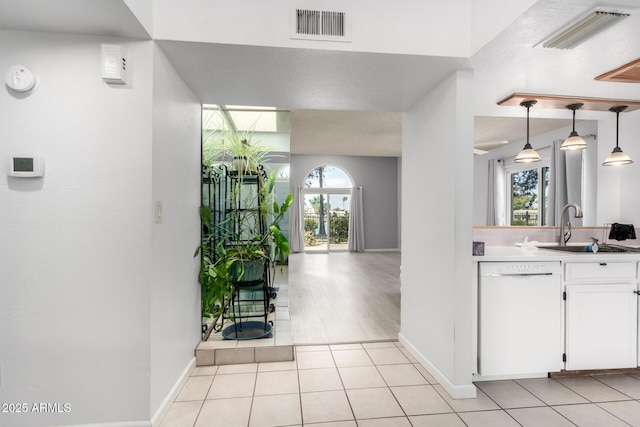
pixel 528 192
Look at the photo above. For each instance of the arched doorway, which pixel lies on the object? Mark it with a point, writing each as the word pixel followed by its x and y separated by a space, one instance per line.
pixel 326 209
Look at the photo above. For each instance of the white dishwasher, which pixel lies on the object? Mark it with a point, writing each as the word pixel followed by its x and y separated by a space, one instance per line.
pixel 519 319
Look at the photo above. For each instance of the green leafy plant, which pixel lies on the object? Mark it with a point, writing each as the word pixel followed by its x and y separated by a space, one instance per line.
pixel 227 245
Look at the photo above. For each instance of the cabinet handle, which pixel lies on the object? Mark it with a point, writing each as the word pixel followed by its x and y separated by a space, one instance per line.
pixel 604 264
pixel 636 292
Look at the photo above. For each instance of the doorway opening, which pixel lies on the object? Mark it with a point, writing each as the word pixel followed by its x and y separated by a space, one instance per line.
pixel 326 208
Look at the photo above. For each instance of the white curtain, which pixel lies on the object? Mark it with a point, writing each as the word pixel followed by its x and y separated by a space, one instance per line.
pixel 356 221
pixel 496 208
pixel 296 228
pixel 565 182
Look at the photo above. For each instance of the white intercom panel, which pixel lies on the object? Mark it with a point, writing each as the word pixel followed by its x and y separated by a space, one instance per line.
pixel 25 166
pixel 114 63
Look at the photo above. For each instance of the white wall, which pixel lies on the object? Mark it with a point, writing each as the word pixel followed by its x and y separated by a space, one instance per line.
pixel 378 178
pixel 143 10
pixel 259 23
pixel 75 254
pixel 437 275
pixel 175 294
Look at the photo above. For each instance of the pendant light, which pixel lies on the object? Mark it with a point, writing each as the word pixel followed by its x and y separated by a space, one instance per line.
pixel 574 142
pixel 528 154
pixel 617 157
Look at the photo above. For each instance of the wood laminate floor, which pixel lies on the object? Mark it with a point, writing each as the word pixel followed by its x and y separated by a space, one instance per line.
pixel 344 297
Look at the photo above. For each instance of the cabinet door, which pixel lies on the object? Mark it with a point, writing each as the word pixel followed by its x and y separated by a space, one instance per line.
pixel 601 326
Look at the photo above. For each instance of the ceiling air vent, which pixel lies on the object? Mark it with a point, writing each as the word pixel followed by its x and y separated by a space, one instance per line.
pixel 308 24
pixel 580 31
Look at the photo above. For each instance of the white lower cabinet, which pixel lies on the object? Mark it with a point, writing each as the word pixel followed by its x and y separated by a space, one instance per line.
pixel 601 319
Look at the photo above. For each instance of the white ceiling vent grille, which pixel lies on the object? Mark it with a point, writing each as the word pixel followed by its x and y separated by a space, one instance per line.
pixel 308 24
pixel 582 30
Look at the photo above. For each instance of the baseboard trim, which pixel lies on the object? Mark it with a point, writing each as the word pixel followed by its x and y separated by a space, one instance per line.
pixel 156 419
pixel 383 250
pixel 454 390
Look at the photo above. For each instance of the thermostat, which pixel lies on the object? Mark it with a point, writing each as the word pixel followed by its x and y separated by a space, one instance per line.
pixel 26 166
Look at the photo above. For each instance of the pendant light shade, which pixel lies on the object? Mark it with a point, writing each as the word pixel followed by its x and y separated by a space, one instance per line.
pixel 574 142
pixel 528 154
pixel 617 157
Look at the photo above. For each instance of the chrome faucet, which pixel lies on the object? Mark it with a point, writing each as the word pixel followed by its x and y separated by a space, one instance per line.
pixel 564 237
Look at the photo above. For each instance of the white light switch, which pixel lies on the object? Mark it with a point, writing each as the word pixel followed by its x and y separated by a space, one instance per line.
pixel 158 211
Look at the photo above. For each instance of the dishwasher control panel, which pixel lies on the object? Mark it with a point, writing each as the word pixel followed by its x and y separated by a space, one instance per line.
pixel 518 268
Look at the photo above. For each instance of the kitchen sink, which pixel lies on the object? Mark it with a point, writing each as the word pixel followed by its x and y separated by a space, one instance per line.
pixel 584 248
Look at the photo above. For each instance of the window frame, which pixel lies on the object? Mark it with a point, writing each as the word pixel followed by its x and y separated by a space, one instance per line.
pixel 513 168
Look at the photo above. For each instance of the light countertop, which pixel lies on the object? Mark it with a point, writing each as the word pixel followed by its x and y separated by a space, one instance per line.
pixel 513 253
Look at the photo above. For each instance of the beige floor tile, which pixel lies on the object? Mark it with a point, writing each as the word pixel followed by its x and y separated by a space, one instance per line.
pixel 623 383
pixel 314 359
pixel 277 382
pixel 344 358
pixel 439 420
pixel 420 400
pixel 385 422
pixel 405 374
pixel 551 392
pixel 361 377
pixel 277 366
pixel 480 403
pixel 196 388
pixel 204 370
pixel 592 390
pixel 240 368
pixel 488 419
pixel 409 356
pixel 182 414
pixel 232 385
pixel 336 347
pixel 509 394
pixel 272 411
pixel 334 424
pixel 589 415
pixel 325 406
pixel 374 403
pixel 302 348
pixel 387 356
pixel 225 412
pixel 425 373
pixel 628 411
pixel 536 417
pixel 324 379
pixel 381 344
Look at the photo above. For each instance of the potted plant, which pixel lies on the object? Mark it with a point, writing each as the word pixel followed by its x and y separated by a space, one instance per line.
pixel 237 248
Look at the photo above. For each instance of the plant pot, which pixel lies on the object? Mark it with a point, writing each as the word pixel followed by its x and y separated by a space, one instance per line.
pixel 241 164
pixel 247 271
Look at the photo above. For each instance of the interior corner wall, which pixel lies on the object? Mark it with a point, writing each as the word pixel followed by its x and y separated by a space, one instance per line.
pixel 437 273
pixel 378 178
pixel 175 293
pixel 75 252
pixel 143 10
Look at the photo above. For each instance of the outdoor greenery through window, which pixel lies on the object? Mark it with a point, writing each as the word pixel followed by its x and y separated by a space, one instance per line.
pixel 327 203
pixel 529 191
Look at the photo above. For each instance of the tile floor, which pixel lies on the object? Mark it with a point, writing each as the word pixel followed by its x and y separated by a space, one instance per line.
pixel 382 385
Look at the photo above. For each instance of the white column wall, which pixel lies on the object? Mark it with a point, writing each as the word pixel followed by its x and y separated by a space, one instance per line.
pixel 175 293
pixel 75 252
pixel 437 275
